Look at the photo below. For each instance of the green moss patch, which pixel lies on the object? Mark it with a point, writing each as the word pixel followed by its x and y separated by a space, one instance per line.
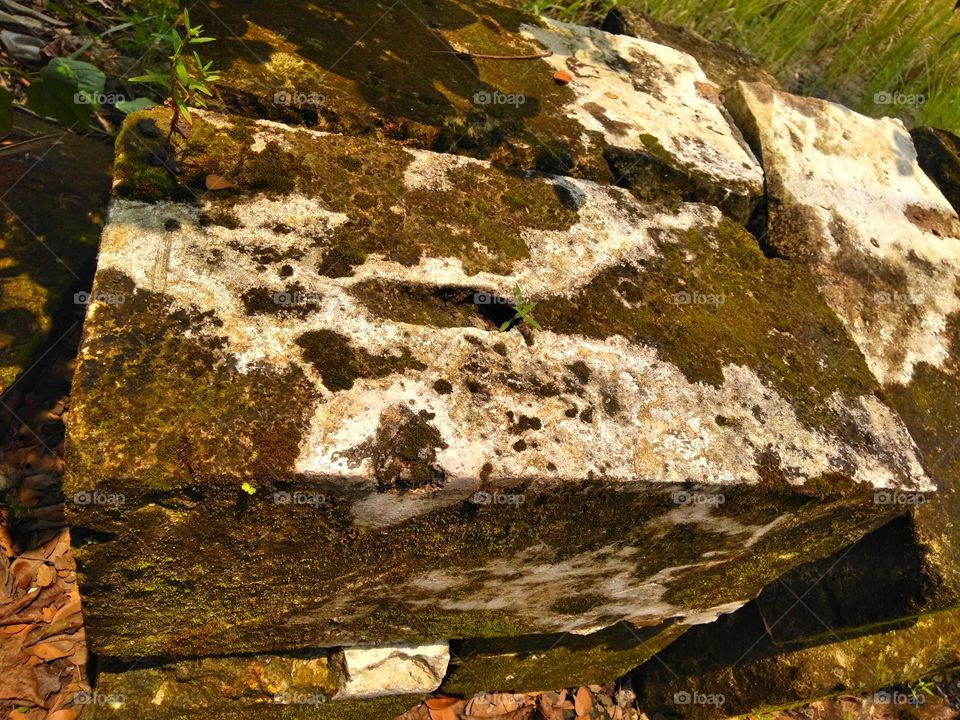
pixel 710 298
pixel 54 204
pixel 361 178
pixel 181 414
pixel 340 363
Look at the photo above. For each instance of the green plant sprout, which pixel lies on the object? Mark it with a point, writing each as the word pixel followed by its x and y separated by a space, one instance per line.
pixel 187 80
pixel 523 311
pixel 922 687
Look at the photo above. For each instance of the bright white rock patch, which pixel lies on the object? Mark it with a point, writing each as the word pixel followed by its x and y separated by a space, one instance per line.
pixel 627 88
pixel 393 670
pixel 884 241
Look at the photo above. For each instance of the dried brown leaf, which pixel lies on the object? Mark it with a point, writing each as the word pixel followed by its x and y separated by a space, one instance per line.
pixel 582 702
pixel 23 570
pixel 216 182
pixel 45 575
pixel 53 650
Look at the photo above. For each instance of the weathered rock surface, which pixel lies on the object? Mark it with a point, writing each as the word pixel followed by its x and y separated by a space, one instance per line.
pixel 304 387
pixel 722 63
pixel 821 630
pixel 938 153
pixel 300 684
pixel 47 236
pixel 638 113
pixel 531 663
pixel 848 199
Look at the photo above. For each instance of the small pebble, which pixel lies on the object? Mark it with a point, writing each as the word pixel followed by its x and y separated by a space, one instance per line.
pixel 563 77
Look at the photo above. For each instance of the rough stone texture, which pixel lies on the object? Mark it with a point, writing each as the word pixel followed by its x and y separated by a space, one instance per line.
pixel 373 672
pixel 47 241
pixel 653 107
pixel 848 199
pixel 938 152
pixel 294 685
pixel 636 112
pixel 164 690
pixel 846 196
pixel 780 651
pixel 378 388
pixel 883 581
pixel 552 661
pixel 722 63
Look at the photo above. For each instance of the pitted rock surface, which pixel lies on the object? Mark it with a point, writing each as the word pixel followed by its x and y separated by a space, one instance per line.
pixel 849 199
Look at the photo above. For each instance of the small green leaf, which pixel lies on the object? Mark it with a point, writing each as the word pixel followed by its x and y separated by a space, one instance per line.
pixel 129 106
pixel 153 77
pixel 65 91
pixel 504 326
pixel 248 488
pixel 89 78
pixel 533 321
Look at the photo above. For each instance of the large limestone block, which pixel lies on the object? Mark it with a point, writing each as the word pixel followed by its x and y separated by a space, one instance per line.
pixel 637 112
pixel 848 199
pixel 303 428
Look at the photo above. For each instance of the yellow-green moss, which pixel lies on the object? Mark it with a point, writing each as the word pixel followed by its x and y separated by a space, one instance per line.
pixel 710 298
pixel 360 177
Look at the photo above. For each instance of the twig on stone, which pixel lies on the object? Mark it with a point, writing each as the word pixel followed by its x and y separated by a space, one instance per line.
pixel 481 56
